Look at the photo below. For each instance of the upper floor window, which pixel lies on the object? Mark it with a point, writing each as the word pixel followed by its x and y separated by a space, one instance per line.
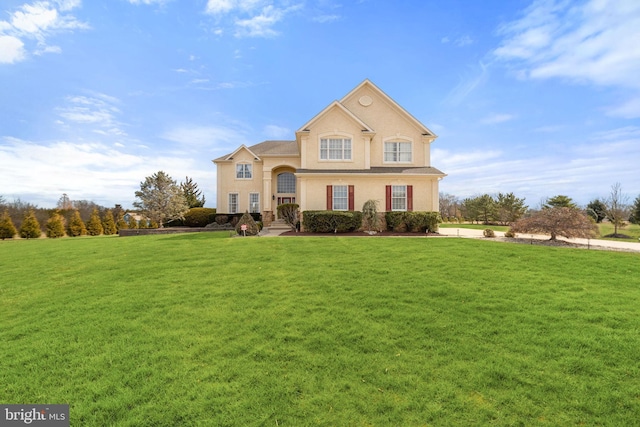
pixel 335 149
pixel 286 183
pixel 243 171
pixel 395 151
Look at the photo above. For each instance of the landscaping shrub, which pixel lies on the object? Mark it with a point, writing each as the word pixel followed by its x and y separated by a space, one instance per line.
pixel 290 214
pixel 510 233
pixel 222 219
pixel 55 226
pixel 417 222
pixel 30 228
pixel 199 217
pixel 252 227
pixel 489 233
pixel 331 221
pixel 7 229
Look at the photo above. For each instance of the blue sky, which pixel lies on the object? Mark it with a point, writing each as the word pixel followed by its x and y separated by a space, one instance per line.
pixel 538 98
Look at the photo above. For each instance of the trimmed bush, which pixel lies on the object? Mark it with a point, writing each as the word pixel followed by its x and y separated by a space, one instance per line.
pixel 489 233
pixel 252 227
pixel 331 221
pixel 416 222
pixel 94 225
pixel 509 233
pixel 199 217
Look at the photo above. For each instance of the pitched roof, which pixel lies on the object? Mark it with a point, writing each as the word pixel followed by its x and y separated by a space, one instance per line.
pixel 335 104
pixel 266 148
pixel 394 170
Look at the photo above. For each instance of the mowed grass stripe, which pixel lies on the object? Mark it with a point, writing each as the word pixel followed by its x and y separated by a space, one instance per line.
pixel 202 329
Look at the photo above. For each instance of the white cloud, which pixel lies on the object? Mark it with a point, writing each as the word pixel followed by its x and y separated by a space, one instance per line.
pixel 277 132
pixel 204 136
pixel 11 50
pixel 628 110
pixel 593 42
pixel 323 19
pixel 35 23
pixel 251 18
pixel 104 173
pixel 99 111
pixel 496 118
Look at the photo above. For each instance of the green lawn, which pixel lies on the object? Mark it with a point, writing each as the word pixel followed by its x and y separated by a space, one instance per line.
pixel 207 330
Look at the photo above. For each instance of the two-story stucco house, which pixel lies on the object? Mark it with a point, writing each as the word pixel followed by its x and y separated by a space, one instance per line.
pixel 364 146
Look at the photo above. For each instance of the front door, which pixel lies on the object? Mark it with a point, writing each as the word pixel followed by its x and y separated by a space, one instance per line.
pixel 285 200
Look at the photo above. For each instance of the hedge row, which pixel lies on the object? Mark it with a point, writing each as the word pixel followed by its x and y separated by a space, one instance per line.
pixel 419 222
pixel 331 221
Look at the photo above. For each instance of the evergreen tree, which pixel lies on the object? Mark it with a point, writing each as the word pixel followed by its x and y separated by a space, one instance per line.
pixel 55 226
pixel 508 208
pixel 121 224
pixel 193 196
pixel 108 224
pixel 30 228
pixel 559 201
pixel 161 199
pixel 596 210
pixel 76 226
pixel 94 225
pixel 7 229
pixel 133 224
pixel 635 211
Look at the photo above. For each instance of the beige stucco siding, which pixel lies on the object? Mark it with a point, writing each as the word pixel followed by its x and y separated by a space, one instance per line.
pixel 312 190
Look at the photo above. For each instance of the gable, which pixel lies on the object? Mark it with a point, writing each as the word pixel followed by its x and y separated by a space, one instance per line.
pixel 372 105
pixel 336 109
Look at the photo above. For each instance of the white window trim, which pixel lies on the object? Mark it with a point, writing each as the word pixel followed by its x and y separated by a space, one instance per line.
pixel 346 198
pixel 250 170
pixel 237 202
pixel 393 209
pixel 335 135
pixel 397 139
pixel 258 202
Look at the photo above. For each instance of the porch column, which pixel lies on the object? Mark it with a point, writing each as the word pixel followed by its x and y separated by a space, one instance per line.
pixel 267 210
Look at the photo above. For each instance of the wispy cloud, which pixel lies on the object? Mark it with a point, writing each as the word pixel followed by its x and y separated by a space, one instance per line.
pixel 592 42
pixel 477 76
pixel 29 28
pixel 324 19
pixel 98 111
pixel 251 18
pixel 461 41
pixel 496 118
pixel 211 137
pixel 277 132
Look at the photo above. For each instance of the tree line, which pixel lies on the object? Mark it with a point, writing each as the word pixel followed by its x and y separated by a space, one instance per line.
pixel 81 217
pixel 507 209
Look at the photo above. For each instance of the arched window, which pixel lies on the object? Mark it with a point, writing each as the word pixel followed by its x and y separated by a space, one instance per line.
pixel 286 183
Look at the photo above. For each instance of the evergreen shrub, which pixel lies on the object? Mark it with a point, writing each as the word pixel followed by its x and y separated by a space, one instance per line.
pixel 7 229
pixel 489 233
pixel 30 228
pixel 55 226
pixel 199 217
pixel 252 227
pixel 331 221
pixel 417 221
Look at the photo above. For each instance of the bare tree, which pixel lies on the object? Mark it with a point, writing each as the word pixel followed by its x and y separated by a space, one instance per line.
pixel 449 205
pixel 617 207
pixel 558 221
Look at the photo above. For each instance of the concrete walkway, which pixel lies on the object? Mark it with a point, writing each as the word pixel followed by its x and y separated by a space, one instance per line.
pixel 608 244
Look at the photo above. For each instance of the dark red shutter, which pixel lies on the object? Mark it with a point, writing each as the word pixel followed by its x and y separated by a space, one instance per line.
pixel 388 199
pixel 351 198
pixel 329 198
pixel 409 198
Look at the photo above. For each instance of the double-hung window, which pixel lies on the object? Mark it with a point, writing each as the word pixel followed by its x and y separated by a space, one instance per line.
pixel 398 197
pixel 335 149
pixel 243 171
pixel 233 202
pixel 397 152
pixel 254 202
pixel 340 198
